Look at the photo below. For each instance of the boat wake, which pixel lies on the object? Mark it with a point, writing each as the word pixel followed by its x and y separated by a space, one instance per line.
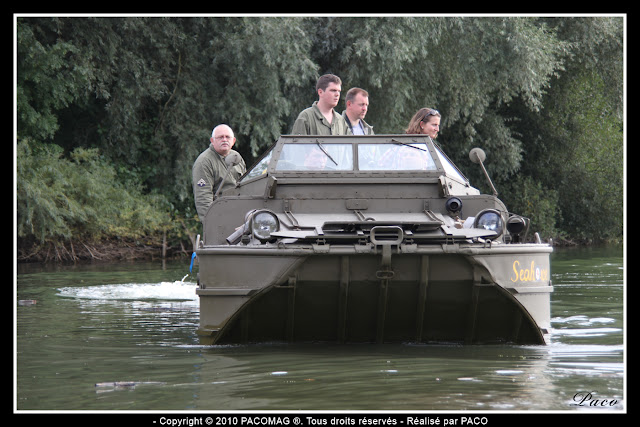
pixel 149 292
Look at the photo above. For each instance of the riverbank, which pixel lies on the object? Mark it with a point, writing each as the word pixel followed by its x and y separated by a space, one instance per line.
pixel 108 251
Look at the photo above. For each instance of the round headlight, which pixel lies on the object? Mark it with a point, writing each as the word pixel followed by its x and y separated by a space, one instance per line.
pixel 263 223
pixel 489 219
pixel 516 224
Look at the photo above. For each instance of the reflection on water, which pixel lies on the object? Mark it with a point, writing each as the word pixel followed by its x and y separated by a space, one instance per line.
pixel 122 337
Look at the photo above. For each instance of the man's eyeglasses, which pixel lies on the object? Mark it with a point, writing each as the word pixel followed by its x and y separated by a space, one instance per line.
pixel 430 113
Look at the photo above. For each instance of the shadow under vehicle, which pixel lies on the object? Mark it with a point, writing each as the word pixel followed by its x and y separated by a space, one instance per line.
pixel 368 239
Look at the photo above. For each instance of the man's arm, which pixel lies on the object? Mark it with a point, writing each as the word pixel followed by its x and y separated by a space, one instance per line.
pixel 203 181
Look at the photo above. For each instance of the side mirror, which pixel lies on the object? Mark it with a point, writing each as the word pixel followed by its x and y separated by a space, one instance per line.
pixel 477 155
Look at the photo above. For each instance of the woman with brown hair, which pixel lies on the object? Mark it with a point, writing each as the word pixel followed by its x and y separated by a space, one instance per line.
pixel 426 121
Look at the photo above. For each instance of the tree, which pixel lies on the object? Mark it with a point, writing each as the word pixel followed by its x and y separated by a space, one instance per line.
pixel 47 82
pixel 574 145
pixel 145 92
pixel 60 200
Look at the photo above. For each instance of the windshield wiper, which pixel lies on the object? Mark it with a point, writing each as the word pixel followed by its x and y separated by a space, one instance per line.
pixel 324 150
pixel 407 145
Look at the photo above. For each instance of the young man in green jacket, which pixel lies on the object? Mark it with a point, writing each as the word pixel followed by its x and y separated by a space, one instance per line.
pixel 211 173
pixel 321 118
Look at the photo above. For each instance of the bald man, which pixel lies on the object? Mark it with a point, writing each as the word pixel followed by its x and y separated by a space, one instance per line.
pixel 211 173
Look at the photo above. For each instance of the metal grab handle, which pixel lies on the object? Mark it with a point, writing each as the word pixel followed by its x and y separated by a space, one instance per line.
pixel 386 235
pixel 385 274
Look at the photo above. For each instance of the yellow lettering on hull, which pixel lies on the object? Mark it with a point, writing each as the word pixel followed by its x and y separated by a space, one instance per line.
pixel 530 273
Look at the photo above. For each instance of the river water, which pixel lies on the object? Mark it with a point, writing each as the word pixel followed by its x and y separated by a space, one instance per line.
pixel 122 337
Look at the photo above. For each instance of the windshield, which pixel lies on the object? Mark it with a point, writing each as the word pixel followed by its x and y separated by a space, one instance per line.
pixel 318 156
pixel 449 168
pixel 391 155
pixel 259 169
pixel 399 156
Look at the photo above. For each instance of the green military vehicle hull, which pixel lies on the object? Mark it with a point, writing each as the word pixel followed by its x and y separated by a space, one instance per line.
pixel 382 239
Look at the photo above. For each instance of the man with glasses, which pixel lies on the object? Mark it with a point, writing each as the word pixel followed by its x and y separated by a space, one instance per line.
pixel 216 168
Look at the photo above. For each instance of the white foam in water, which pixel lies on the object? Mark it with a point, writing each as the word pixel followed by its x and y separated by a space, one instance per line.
pixel 173 291
pixel 509 372
pixel 587 332
pixel 582 320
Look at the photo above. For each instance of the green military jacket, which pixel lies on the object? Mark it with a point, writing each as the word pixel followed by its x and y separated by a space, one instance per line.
pixel 311 122
pixel 208 173
pixel 368 129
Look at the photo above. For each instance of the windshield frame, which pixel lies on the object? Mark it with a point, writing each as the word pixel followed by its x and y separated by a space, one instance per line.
pixel 267 163
pixel 257 171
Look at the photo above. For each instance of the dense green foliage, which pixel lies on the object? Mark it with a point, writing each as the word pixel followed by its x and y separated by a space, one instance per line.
pixel 81 197
pixel 112 111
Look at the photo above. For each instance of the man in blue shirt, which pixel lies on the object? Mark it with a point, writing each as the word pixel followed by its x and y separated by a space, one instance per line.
pixel 357 101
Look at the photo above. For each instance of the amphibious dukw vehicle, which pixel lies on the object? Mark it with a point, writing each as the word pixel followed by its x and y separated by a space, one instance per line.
pixel 368 239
